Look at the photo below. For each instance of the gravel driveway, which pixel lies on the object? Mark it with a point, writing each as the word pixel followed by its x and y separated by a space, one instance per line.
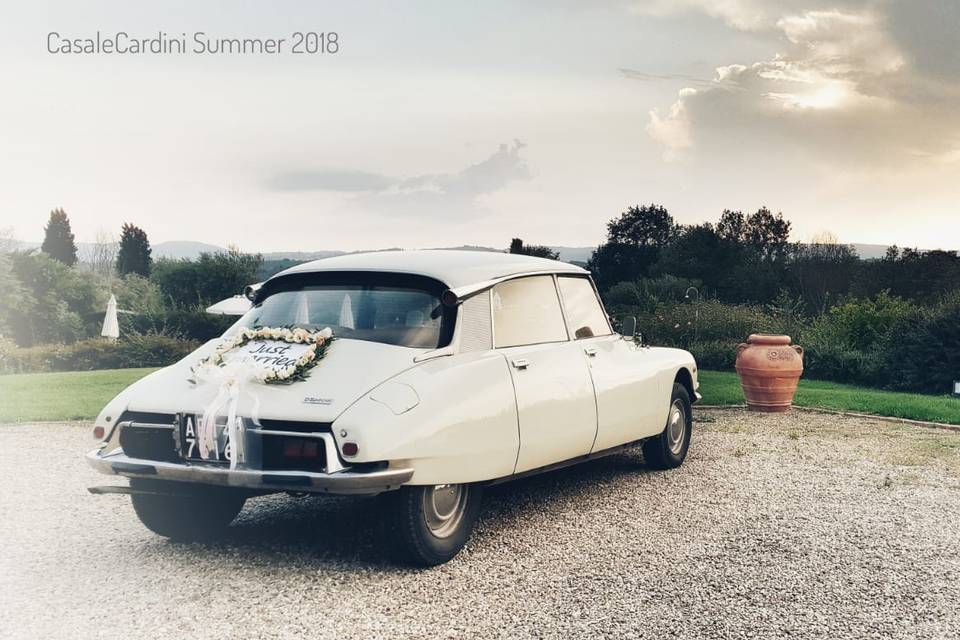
pixel 802 525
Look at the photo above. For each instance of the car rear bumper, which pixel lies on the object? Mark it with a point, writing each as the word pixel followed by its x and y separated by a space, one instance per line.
pixel 340 482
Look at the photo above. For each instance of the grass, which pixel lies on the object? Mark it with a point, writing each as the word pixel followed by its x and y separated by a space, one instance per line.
pixel 74 395
pixel 80 395
pixel 723 388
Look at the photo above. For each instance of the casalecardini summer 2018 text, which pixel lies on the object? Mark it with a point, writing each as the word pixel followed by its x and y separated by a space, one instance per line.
pixel 198 42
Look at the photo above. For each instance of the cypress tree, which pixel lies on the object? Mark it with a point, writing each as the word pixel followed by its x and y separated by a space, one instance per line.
pixel 58 240
pixel 134 255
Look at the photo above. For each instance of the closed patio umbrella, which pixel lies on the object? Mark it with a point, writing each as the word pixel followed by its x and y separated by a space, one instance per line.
pixel 235 306
pixel 111 328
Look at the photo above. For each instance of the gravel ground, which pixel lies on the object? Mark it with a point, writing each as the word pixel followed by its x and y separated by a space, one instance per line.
pixel 801 525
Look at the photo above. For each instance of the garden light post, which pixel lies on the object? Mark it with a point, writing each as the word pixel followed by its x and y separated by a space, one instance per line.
pixel 696 311
pixel 956 388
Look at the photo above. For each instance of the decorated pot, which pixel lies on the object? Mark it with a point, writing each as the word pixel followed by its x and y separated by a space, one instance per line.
pixel 769 368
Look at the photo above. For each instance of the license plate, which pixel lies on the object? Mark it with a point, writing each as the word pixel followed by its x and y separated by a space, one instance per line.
pixel 190 440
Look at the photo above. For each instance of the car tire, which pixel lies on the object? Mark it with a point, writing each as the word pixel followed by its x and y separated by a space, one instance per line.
pixel 668 450
pixel 182 512
pixel 430 524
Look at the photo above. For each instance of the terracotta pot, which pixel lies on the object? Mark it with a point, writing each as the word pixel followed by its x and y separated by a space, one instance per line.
pixel 769 368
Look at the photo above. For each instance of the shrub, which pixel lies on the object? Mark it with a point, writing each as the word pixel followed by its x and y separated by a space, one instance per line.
pixel 56 303
pixel 681 325
pixel 210 278
pixel 150 350
pixel 849 343
pixel 627 298
pixel 923 351
pixel 715 354
pixel 186 323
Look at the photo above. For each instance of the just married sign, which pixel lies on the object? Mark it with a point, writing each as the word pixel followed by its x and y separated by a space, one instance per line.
pixel 268 355
pixel 273 355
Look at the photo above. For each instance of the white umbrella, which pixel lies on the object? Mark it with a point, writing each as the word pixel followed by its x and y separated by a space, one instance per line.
pixel 346 313
pixel 235 306
pixel 303 309
pixel 111 328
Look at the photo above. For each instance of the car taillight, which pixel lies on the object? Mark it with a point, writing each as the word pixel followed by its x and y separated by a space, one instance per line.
pixel 300 449
pixel 350 449
pixel 98 433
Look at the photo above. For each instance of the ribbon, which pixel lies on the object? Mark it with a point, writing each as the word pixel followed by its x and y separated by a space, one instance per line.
pixel 232 379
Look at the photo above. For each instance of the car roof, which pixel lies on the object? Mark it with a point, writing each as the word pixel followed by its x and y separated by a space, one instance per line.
pixel 452 267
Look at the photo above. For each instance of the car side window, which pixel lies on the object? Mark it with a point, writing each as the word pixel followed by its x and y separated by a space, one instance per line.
pixel 527 311
pixel 585 316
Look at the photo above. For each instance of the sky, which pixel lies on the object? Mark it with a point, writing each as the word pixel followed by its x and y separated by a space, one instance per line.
pixel 448 123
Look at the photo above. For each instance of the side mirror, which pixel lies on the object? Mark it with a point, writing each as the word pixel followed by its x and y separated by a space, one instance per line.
pixel 628 327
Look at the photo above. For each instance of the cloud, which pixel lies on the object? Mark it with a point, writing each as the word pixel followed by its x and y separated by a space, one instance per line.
pixel 454 194
pixel 844 85
pixel 490 175
pixel 331 180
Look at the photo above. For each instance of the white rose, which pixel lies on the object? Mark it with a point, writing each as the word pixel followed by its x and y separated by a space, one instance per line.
pixel 326 334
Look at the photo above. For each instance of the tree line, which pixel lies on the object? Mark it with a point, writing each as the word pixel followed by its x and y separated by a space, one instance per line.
pixel 749 258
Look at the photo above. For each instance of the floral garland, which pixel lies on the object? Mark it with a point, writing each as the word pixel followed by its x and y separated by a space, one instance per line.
pixel 319 342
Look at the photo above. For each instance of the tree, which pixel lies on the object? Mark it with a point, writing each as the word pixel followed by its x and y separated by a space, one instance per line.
pixel 768 234
pixel 732 226
pixel 102 256
pixel 56 303
pixel 649 225
pixel 134 255
pixel 616 262
pixel 8 241
pixel 58 242
pixel 634 241
pixel 212 277
pixel 536 250
pixel 822 271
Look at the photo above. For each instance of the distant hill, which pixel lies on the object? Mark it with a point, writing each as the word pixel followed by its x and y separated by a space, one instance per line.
pixel 179 249
pixel 870 251
pixel 190 250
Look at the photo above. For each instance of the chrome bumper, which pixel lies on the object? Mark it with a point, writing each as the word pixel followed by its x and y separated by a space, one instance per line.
pixel 339 482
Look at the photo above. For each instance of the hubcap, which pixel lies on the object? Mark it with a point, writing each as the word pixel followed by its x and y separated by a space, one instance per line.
pixel 443 507
pixel 677 427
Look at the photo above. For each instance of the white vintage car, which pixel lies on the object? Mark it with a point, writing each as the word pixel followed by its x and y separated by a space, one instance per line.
pixel 448 371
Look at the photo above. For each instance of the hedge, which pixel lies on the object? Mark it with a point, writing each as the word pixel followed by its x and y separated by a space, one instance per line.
pixel 150 350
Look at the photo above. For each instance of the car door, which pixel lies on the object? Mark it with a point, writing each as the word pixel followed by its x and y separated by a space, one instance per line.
pixel 556 407
pixel 624 376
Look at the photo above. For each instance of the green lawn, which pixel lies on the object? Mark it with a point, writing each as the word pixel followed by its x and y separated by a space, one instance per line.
pixel 80 395
pixel 722 387
pixel 74 395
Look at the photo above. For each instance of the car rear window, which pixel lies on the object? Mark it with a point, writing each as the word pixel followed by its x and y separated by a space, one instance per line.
pixel 388 308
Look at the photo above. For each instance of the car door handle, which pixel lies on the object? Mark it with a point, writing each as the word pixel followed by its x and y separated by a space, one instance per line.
pixel 520 363
pixel 590 351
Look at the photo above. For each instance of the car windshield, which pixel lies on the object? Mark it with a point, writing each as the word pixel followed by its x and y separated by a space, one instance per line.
pixel 405 313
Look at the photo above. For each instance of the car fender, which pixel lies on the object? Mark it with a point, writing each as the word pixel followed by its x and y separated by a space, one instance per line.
pixel 452 419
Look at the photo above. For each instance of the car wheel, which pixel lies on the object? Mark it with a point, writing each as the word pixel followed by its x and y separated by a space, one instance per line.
pixel 668 450
pixel 185 513
pixel 432 523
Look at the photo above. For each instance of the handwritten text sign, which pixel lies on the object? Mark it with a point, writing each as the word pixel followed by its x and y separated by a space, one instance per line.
pixel 271 355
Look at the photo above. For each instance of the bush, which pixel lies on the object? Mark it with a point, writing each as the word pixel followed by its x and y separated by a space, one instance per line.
pixel 850 342
pixel 150 350
pixel 715 354
pixel 209 279
pixel 55 303
pixel 923 351
pixel 678 325
pixel 189 324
